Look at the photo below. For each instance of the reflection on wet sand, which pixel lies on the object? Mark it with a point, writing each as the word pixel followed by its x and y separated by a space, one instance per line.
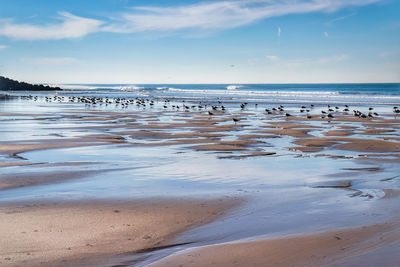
pixel 91 153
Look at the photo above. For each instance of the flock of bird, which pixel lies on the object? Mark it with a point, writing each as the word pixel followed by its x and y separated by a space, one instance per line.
pixel 329 113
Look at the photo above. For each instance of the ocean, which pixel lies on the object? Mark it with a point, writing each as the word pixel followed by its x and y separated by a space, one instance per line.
pixel 372 93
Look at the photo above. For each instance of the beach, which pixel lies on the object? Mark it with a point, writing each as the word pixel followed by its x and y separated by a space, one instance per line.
pixel 137 181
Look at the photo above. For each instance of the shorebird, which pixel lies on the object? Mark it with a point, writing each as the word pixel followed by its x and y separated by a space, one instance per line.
pixel 235 120
pixel 288 115
pixel 210 113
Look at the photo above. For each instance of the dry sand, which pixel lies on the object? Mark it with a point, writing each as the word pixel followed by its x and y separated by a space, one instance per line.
pixel 320 249
pixel 84 233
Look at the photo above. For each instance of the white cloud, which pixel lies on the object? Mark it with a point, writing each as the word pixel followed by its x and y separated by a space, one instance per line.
pixel 2 47
pixel 209 15
pixel 326 34
pixel 273 58
pixel 219 15
pixel 279 31
pixel 70 27
pixel 51 60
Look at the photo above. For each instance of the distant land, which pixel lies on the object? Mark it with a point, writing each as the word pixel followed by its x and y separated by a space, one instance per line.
pixel 7 84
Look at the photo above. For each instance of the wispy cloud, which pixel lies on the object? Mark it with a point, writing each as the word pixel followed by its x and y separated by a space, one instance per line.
pixel 219 15
pixel 340 18
pixel 326 34
pixel 272 58
pixel 279 31
pixel 71 26
pixel 215 15
pixel 51 60
pixel 2 47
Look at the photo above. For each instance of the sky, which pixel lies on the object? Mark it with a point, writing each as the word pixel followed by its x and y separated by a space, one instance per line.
pixel 192 41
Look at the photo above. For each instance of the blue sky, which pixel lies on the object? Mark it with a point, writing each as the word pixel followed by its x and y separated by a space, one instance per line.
pixel 231 41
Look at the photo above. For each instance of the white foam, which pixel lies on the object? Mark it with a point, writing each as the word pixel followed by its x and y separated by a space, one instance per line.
pixel 131 88
pixel 233 87
pixel 78 87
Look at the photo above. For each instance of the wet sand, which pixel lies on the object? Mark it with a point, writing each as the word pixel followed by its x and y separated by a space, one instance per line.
pixel 333 248
pixel 87 232
pixel 352 144
pixel 42 178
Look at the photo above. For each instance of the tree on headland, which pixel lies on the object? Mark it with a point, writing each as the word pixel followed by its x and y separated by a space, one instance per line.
pixel 7 84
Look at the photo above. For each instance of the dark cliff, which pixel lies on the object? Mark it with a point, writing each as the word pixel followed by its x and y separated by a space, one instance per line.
pixel 7 84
